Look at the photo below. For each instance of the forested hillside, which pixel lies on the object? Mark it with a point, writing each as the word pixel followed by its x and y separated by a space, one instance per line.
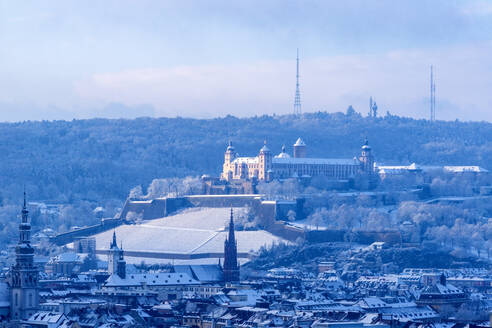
pixel 103 159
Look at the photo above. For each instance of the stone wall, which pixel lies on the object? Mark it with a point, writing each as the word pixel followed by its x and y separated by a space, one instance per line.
pixel 68 237
pixel 270 213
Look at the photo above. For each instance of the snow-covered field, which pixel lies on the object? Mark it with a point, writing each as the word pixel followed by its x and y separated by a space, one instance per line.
pixel 193 231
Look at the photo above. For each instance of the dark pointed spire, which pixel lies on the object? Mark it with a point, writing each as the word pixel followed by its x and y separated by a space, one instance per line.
pixel 113 243
pixel 231 228
pixel 25 212
pixel 230 268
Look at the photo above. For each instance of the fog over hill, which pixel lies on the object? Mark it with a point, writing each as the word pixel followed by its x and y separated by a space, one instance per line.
pixel 101 159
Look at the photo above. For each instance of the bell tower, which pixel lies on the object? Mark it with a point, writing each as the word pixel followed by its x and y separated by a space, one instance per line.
pixel 23 276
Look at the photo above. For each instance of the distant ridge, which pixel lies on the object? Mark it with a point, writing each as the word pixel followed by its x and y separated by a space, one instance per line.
pixel 102 158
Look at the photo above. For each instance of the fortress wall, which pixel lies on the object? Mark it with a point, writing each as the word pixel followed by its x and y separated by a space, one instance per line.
pixel 268 211
pixel 68 237
pixel 223 200
pixel 149 210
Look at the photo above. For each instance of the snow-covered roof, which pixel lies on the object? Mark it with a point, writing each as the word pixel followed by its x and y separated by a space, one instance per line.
pixel 151 279
pixel 396 169
pixel 404 314
pixel 392 169
pixel 46 317
pixel 203 272
pixel 319 161
pixel 299 142
pixel 282 155
pixel 439 289
pixel 462 169
pixel 246 160
pixel 162 306
pixel 372 303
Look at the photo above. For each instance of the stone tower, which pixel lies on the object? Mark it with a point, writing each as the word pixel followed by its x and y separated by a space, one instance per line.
pixel 229 157
pixel 116 261
pixel 231 267
pixel 23 275
pixel 367 159
pixel 265 159
pixel 299 149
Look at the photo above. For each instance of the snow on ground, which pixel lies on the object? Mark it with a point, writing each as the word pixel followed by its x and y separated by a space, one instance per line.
pixel 153 238
pixel 191 231
pixel 198 218
pixel 247 241
pixel 306 224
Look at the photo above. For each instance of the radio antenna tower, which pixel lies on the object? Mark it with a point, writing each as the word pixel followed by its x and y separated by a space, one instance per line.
pixel 432 96
pixel 297 100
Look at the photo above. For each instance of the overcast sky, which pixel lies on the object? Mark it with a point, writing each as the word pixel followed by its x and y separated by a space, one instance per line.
pixel 78 59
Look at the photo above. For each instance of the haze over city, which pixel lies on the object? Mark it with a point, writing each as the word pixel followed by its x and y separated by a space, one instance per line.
pixel 65 60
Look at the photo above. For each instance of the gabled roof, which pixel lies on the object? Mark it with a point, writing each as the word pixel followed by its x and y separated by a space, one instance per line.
pixel 439 289
pixel 46 317
pixel 201 272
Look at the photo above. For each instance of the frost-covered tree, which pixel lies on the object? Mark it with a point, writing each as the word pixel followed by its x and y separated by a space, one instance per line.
pixel 136 192
pixel 291 215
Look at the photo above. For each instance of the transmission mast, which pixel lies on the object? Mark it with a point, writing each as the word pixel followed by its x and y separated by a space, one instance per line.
pixel 432 96
pixel 297 100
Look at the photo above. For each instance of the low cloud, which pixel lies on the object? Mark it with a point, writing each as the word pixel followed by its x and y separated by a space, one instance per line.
pixel 398 80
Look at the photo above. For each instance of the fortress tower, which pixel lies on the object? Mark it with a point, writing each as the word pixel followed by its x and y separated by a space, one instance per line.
pixel 265 163
pixel 229 157
pixel 300 149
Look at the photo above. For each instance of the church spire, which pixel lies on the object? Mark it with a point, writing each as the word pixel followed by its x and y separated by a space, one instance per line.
pixel 232 237
pixel 113 243
pixel 25 212
pixel 24 274
pixel 231 268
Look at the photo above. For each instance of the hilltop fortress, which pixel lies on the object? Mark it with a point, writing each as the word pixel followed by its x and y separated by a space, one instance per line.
pixel 266 167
